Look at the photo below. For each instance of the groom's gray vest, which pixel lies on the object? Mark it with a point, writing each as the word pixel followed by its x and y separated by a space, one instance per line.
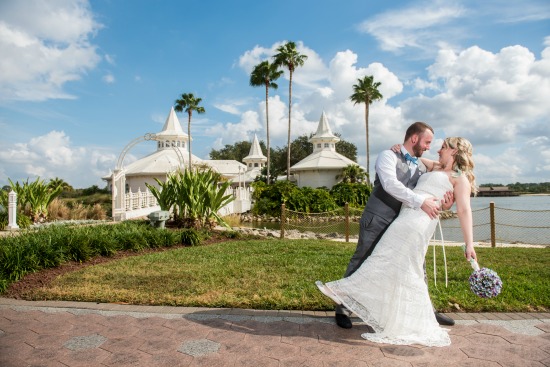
pixel 383 204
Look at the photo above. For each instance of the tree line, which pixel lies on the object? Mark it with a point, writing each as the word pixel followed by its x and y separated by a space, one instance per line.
pixel 527 188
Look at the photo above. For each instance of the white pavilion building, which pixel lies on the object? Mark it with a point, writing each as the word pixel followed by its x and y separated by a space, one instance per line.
pixel 131 198
pixel 321 167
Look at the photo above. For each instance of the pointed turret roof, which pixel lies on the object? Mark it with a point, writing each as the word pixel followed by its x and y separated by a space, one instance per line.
pixel 324 154
pixel 255 151
pixel 172 126
pixel 323 130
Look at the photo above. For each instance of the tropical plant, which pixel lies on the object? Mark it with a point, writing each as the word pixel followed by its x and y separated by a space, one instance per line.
pixel 265 74
pixel 366 91
pixel 189 103
pixel 195 196
pixel 289 57
pixel 352 173
pixel 164 193
pixel 38 195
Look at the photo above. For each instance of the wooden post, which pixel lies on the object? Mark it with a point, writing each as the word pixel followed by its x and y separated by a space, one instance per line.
pixel 347 222
pixel 283 221
pixel 493 226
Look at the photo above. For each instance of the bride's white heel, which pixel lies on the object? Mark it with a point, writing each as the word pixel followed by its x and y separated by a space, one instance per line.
pixel 327 292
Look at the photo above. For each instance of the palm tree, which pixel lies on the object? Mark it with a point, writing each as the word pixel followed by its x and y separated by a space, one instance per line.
pixel 352 173
pixel 265 74
pixel 189 103
pixel 55 182
pixel 288 56
pixel 366 91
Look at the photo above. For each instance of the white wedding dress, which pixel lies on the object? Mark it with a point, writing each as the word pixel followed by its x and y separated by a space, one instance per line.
pixel 388 292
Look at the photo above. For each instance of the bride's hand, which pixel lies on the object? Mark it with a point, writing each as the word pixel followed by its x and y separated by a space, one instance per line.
pixel 396 148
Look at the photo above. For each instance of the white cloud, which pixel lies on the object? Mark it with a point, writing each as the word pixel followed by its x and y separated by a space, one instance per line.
pixel 43 46
pixel 53 155
pixel 109 78
pixel 489 97
pixel 418 26
pixel 233 132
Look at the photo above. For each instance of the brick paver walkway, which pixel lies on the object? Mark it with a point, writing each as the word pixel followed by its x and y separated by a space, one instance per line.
pixel 88 334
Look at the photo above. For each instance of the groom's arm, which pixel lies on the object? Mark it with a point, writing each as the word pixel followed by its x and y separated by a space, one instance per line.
pixel 385 167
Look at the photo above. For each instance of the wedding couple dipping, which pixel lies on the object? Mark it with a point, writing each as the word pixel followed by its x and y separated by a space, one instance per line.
pixel 385 282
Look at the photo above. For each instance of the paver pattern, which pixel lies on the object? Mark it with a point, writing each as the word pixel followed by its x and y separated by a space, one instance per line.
pixel 87 334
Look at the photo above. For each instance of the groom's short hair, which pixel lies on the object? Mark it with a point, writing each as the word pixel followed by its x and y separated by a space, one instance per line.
pixel 418 128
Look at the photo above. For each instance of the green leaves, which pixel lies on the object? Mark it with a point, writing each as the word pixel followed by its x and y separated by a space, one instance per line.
pixel 37 195
pixel 195 195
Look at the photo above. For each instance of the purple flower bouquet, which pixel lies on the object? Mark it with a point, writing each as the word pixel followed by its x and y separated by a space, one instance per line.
pixel 484 282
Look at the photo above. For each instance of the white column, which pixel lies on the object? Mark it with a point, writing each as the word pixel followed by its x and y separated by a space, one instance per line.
pixel 12 211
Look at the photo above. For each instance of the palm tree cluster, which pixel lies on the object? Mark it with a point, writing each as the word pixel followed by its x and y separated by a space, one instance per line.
pixel 265 74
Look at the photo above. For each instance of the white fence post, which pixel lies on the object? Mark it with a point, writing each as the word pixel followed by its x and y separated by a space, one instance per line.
pixel 12 211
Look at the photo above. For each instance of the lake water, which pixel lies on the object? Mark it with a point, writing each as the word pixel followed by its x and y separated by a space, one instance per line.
pixel 519 219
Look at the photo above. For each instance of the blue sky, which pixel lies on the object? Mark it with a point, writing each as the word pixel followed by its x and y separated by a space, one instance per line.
pixel 80 80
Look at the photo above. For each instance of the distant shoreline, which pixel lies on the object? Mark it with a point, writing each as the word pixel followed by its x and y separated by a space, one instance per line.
pixel 535 194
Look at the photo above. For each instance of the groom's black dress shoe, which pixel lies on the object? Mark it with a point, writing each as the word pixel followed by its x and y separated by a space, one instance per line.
pixel 343 321
pixel 443 319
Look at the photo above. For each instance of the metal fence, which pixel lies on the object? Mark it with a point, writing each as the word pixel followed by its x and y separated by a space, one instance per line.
pixel 491 224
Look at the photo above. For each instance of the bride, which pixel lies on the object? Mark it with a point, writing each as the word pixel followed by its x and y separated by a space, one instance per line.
pixel 388 291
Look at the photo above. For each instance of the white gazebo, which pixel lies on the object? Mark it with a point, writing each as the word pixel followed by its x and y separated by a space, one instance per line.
pixel 322 166
pixel 131 197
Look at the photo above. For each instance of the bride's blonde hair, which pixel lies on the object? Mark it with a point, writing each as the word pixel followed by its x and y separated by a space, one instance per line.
pixel 463 161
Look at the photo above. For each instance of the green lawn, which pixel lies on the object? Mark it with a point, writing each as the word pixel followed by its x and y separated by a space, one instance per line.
pixel 275 274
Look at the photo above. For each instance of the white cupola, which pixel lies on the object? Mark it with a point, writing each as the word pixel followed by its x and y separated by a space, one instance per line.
pixel 172 134
pixel 324 139
pixel 255 158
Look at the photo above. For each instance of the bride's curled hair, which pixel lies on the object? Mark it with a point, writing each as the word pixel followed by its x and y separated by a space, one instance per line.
pixel 464 163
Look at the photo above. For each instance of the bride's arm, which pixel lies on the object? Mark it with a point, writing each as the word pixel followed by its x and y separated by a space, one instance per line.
pixel 430 165
pixel 462 190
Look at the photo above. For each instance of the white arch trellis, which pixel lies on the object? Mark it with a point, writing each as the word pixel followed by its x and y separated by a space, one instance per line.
pixel 118 182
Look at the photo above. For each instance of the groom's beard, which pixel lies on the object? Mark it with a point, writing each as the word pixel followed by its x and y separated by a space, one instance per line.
pixel 417 150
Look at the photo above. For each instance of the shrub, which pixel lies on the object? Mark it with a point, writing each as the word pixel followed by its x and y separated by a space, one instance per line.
pixel 191 237
pixel 355 194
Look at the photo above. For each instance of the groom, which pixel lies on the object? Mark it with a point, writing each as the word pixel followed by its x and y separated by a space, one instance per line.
pixel 396 176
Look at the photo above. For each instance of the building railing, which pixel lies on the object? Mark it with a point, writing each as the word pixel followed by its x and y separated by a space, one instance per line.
pixel 145 199
pixel 491 224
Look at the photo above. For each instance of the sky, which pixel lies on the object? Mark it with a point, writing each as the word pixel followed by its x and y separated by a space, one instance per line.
pixel 81 80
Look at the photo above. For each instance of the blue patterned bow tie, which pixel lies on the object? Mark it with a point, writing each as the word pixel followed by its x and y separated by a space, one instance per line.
pixel 409 158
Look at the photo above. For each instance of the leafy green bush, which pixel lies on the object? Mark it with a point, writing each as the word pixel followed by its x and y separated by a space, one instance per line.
pixel 305 199
pixel 308 200
pixel 355 194
pixel 191 237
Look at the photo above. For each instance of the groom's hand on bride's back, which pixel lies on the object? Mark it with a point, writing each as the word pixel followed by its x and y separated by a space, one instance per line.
pixel 431 207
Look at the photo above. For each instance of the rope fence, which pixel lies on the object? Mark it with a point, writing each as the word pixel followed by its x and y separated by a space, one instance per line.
pixel 491 224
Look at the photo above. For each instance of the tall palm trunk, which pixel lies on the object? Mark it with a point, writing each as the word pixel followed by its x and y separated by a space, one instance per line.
pixel 189 141
pixel 267 128
pixel 289 113
pixel 367 136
